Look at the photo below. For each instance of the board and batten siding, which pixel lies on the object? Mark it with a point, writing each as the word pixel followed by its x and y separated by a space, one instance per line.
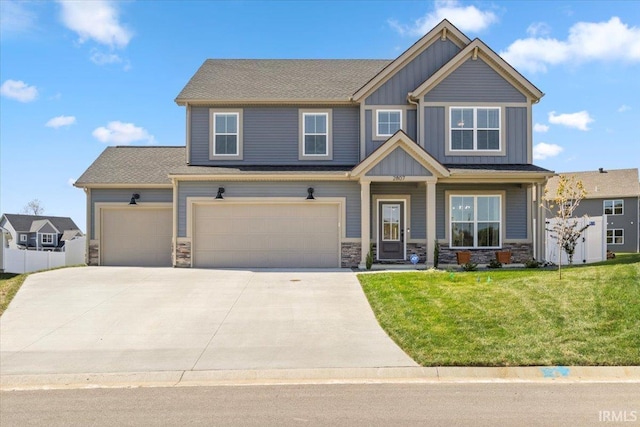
pixel 348 189
pixel 123 195
pixel 394 91
pixel 396 163
pixel 515 203
pixel 271 136
pixel 411 129
pixel 515 127
pixel 474 81
pixel 418 205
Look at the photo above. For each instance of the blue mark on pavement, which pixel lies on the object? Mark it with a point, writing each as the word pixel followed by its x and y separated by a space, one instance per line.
pixel 555 372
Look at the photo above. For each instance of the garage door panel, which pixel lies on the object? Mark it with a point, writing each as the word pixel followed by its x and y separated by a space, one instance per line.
pixel 266 235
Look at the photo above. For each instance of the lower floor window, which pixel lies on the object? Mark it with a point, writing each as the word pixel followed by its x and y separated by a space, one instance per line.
pixel 615 236
pixel 476 221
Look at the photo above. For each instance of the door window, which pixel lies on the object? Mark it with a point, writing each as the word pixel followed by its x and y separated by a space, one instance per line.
pixel 391 222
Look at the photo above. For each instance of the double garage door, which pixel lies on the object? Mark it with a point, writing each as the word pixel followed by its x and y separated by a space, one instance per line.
pixel 265 235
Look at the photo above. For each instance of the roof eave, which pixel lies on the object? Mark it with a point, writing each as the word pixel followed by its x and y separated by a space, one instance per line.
pixel 203 102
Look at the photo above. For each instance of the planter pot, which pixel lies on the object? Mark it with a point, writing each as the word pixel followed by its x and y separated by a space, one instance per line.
pixel 503 257
pixel 463 257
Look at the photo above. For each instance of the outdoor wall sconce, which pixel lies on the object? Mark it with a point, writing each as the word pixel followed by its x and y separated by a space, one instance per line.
pixel 134 197
pixel 310 194
pixel 220 192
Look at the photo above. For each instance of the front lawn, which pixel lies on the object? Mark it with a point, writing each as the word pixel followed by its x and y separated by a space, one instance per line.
pixel 9 285
pixel 513 318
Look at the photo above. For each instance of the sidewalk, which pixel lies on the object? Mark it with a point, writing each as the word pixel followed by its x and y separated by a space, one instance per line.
pixel 559 374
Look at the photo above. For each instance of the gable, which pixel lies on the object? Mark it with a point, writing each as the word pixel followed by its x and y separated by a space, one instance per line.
pixel 46 228
pixel 398 163
pixel 394 91
pixel 474 81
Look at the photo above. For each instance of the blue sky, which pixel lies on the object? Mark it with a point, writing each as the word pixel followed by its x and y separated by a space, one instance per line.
pixel 78 76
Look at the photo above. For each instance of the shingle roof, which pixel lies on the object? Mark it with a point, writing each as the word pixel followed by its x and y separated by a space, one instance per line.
pixel 493 168
pixel 133 165
pixel 22 223
pixel 609 183
pixel 279 79
pixel 257 170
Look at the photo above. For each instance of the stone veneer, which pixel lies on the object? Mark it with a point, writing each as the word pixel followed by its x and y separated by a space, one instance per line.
pixel 350 254
pixel 520 253
pixel 183 255
pixel 94 253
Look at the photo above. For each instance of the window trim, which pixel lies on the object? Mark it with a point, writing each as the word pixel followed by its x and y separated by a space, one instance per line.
pixel 475 194
pixel 302 113
pixel 613 209
pixel 23 238
pixel 213 112
pixel 501 151
pixel 613 236
pixel 379 136
pixel 52 236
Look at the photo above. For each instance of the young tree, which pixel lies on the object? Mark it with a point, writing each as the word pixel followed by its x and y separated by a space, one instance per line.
pixel 34 207
pixel 562 204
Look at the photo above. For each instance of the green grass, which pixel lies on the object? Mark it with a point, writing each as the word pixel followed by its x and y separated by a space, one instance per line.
pixel 513 318
pixel 9 285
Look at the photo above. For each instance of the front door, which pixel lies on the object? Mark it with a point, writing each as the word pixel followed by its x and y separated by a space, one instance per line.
pixel 391 230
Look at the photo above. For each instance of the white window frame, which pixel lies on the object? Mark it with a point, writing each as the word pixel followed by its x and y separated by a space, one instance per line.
pixel 51 238
pixel 475 221
pixel 377 128
pixel 302 154
pixel 474 150
pixel 213 113
pixel 613 208
pixel 23 238
pixel 613 236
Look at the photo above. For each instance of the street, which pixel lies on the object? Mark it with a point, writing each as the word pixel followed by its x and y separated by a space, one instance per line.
pixel 477 404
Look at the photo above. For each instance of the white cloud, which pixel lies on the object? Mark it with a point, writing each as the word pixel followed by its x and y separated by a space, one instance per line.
pixel 579 120
pixel 122 133
pixel 466 18
pixel 96 20
pixel 18 90
pixel 60 121
pixel 543 150
pixel 101 58
pixel 623 108
pixel 538 29
pixel 587 41
pixel 15 18
pixel 539 127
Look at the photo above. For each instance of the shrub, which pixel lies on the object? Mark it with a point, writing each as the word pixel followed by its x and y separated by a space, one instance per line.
pixel 470 266
pixel 369 259
pixel 494 263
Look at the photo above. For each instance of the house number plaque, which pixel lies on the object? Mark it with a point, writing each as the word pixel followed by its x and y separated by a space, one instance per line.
pixel 398 178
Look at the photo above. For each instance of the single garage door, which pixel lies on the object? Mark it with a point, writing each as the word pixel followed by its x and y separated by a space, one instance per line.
pixel 266 235
pixel 136 236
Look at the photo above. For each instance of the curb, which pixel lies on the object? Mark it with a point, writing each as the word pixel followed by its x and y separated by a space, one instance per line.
pixel 545 374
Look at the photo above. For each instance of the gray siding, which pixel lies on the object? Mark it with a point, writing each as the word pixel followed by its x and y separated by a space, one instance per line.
pixel 123 195
pixel 418 215
pixel 474 81
pixel 515 202
pixel 349 190
pixel 271 136
pixel 371 145
pixel 394 91
pixel 47 229
pixel 628 221
pixel 515 128
pixel 412 126
pixel 398 162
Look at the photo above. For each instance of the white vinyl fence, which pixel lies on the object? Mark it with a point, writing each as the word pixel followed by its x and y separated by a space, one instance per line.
pixel 591 247
pixel 23 261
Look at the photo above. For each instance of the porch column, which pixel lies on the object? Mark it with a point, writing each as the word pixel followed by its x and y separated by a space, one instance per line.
pixel 365 220
pixel 539 249
pixel 431 220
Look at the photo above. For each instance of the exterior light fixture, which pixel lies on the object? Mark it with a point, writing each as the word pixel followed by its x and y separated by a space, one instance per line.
pixel 220 192
pixel 310 194
pixel 134 197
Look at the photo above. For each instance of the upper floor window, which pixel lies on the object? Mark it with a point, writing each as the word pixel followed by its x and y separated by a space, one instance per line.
pixel 226 134
pixel 475 221
pixel 474 129
pixel 23 237
pixel 388 122
pixel 315 139
pixel 613 207
pixel 47 238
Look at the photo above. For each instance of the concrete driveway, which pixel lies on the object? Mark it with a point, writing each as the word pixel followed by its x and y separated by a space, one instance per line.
pixel 113 319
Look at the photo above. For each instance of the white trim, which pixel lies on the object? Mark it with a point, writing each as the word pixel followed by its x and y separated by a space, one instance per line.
pixel 52 236
pixel 213 112
pixel 450 151
pixel 23 238
pixel 380 136
pixel 613 236
pixel 475 193
pixel 613 207
pixel 328 154
pixel 394 199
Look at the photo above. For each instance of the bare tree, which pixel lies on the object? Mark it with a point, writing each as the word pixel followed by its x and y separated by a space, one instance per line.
pixel 562 204
pixel 34 207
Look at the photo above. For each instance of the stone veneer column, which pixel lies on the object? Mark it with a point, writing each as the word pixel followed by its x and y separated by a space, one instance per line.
pixel 365 220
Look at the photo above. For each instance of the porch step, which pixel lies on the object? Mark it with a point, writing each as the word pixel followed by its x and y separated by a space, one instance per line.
pixel 408 266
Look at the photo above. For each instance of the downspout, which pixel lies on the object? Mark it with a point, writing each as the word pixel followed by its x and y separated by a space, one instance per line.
pixel 411 100
pixel 188 133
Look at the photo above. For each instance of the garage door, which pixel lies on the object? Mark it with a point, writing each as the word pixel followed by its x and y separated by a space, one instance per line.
pixel 136 237
pixel 265 235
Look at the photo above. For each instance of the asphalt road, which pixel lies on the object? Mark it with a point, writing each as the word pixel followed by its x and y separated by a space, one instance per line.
pixel 490 404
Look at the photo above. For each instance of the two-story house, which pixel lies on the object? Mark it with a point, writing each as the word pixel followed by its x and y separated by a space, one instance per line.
pixel 306 163
pixel 616 194
pixel 37 232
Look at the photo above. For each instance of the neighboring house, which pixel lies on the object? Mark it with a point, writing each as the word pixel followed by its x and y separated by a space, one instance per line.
pixel 616 194
pixel 37 232
pixel 305 163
